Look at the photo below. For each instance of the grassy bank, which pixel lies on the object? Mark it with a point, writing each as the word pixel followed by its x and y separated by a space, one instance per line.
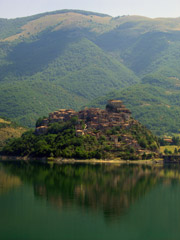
pixel 169 148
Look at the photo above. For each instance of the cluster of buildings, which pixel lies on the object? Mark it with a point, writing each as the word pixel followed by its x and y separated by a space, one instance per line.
pixel 114 115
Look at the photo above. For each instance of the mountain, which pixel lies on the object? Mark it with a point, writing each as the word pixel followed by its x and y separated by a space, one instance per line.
pixel 68 58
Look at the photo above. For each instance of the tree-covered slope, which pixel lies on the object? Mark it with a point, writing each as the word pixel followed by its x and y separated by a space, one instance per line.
pixel 24 101
pixel 144 52
pixel 60 70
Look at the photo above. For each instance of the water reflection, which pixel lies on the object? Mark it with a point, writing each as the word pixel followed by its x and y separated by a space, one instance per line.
pixel 8 182
pixel 110 189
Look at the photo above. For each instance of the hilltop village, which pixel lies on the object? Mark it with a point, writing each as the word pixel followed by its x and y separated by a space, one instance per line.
pixel 114 115
pixel 114 123
pixel 90 133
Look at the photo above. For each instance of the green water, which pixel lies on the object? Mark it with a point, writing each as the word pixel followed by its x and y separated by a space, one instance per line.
pixel 89 202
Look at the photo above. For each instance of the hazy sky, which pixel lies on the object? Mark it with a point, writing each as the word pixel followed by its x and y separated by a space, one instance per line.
pixel 149 8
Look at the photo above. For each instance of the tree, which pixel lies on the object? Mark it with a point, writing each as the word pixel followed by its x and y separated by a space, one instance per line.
pixel 166 151
pixel 39 121
pixel 175 151
pixel 143 143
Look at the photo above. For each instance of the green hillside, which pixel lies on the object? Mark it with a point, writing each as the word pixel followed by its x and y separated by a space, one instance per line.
pixel 9 130
pixel 144 53
pixel 11 27
pixel 25 100
pixel 68 58
pixel 63 72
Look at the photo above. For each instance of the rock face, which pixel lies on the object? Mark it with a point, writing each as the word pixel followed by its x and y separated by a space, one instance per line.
pixel 114 115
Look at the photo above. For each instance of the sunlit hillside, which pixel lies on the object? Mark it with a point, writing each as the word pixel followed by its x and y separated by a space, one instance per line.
pixel 9 130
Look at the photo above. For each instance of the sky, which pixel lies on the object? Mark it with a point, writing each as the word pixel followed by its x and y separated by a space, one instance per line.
pixel 148 8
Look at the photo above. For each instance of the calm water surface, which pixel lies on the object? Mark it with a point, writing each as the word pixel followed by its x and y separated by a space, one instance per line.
pixel 89 202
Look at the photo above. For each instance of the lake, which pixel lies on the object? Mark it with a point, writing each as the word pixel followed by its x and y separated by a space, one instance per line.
pixel 89 202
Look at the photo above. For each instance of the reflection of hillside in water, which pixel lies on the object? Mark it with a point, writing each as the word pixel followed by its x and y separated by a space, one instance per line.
pixel 108 188
pixel 8 182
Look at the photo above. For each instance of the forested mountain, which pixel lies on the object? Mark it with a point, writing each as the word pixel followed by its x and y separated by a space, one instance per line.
pixel 68 58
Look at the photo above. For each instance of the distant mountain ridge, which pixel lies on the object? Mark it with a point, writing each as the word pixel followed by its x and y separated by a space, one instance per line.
pixel 68 58
pixel 69 18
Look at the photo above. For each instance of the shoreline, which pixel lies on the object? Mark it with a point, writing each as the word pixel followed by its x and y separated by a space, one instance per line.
pixel 85 161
